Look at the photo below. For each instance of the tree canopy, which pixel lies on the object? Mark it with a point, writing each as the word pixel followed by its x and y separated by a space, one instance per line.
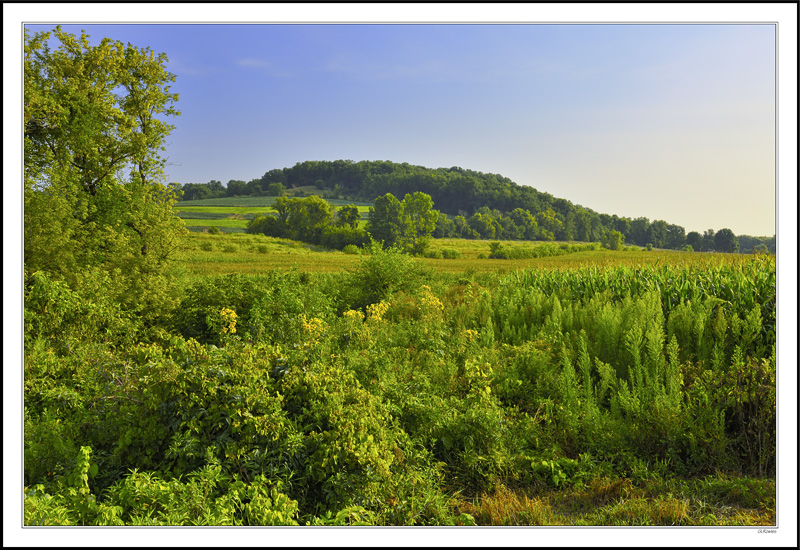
pixel 94 196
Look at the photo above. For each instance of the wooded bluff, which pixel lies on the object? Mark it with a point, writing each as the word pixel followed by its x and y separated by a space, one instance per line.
pixel 475 205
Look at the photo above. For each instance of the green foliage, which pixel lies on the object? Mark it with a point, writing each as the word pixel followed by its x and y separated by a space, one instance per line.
pixel 350 249
pixel 339 238
pixel 268 307
pixel 450 254
pixel 298 219
pixel 381 273
pixel 63 317
pixel 500 251
pixel 387 396
pixel 613 240
pixel 275 189
pixel 473 205
pixel 726 241
pixel 73 502
pixel 388 222
pixel 348 215
pixel 94 196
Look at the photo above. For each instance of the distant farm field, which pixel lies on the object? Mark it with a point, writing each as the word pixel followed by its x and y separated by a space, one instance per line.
pixel 248 202
pixel 231 214
pixel 224 209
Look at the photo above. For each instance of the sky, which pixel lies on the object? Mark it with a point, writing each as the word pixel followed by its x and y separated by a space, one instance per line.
pixel 665 121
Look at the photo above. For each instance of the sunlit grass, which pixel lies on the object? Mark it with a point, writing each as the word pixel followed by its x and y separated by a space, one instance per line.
pixel 256 253
pixel 216 223
pixel 206 254
pixel 620 502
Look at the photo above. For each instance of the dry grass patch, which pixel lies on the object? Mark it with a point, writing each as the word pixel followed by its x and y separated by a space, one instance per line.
pixel 507 507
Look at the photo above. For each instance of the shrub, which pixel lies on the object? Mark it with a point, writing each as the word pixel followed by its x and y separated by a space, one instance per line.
pixel 338 237
pixel 613 240
pixel 354 453
pixel 379 275
pixel 451 254
pixel 350 249
pixel 208 247
pixel 267 306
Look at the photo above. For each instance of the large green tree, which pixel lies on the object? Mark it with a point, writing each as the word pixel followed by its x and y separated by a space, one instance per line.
pixel 407 224
pixel 418 208
pixel 94 196
pixel 388 222
pixel 300 219
pixel 726 241
pixel 348 216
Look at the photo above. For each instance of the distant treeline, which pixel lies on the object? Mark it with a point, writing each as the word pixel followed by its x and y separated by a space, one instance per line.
pixel 475 205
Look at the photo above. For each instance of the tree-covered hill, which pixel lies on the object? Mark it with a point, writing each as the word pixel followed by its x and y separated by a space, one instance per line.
pixel 475 204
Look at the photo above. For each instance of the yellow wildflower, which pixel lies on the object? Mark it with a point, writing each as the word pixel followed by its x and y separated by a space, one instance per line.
pixel 312 327
pixel 228 320
pixel 353 314
pixel 377 311
pixel 430 305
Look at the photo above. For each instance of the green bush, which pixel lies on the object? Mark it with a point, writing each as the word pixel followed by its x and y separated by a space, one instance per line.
pixel 379 275
pixel 451 254
pixel 351 249
pixel 267 306
pixel 339 237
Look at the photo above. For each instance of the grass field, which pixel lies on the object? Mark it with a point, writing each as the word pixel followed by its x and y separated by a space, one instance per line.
pixel 206 254
pixel 216 223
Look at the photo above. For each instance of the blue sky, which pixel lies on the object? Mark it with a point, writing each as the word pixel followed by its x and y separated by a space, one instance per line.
pixel 672 122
